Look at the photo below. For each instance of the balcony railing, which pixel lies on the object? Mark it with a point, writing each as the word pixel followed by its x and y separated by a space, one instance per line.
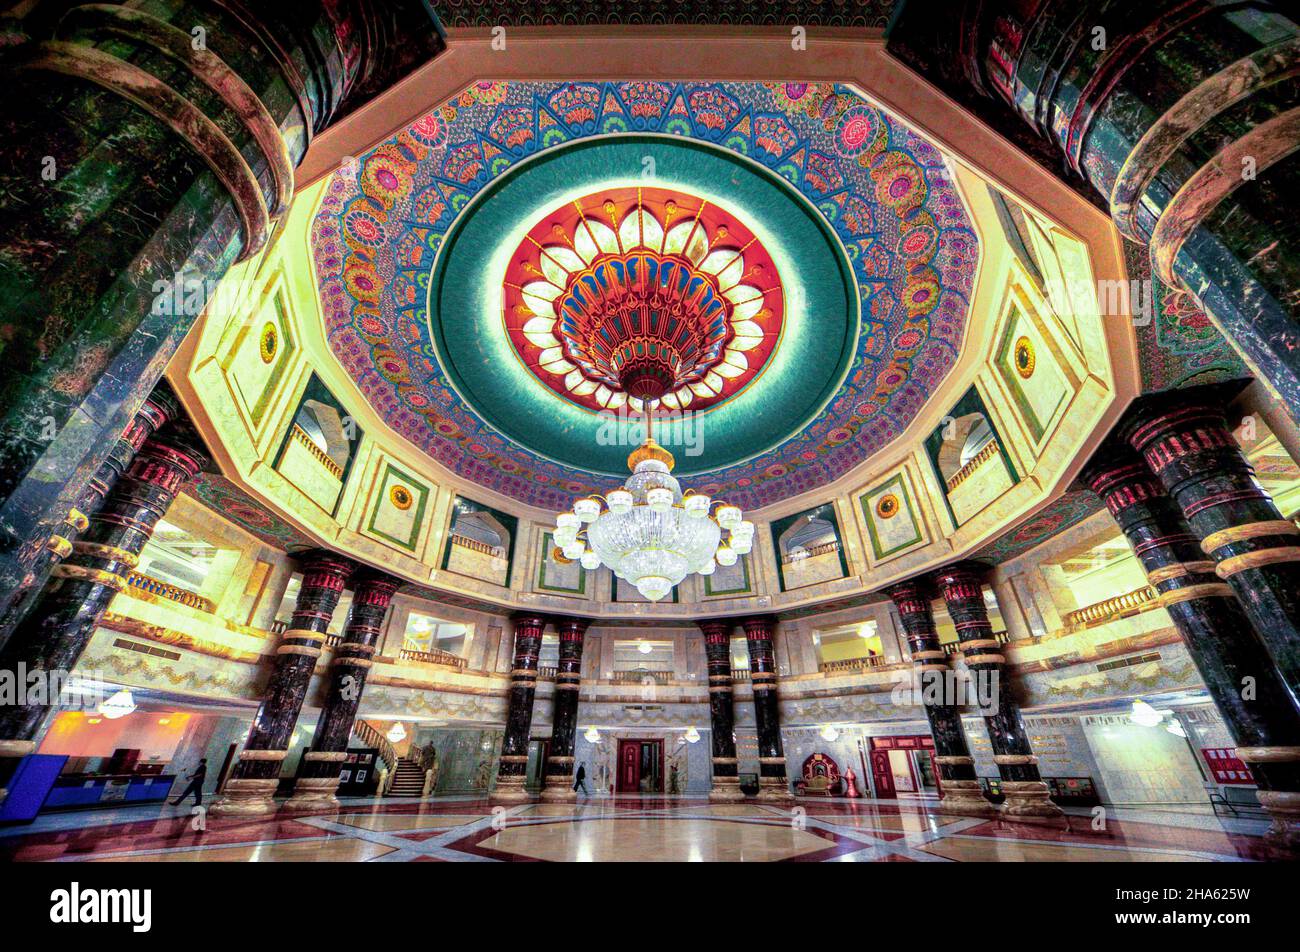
pixel 849 665
pixel 740 674
pixel 954 647
pixel 800 555
pixel 989 450
pixel 547 673
pixel 300 436
pixel 465 542
pixel 641 676
pixel 1121 606
pixel 431 656
pixel 154 587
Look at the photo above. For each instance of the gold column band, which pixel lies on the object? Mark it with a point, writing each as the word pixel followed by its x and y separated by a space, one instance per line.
pixel 1015 760
pixel 82 574
pixel 263 754
pixel 1254 560
pixel 303 634
pixel 112 553
pixel 1191 592
pixel 1249 530
pixel 78 519
pixel 299 650
pixel 954 760
pixel 355 662
pixel 980 643
pixel 1268 755
pixel 328 756
pixel 1179 570
pixel 58 546
pixel 927 655
pixel 986 659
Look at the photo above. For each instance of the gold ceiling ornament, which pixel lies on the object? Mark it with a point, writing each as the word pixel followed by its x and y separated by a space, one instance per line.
pixel 269 343
pixel 401 497
pixel 1024 357
pixel 887 506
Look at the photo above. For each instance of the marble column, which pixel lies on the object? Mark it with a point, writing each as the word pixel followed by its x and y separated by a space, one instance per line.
pixel 963 592
pixel 519 713
pixel 960 785
pixel 722 714
pixel 53 634
pixel 318 779
pixel 160 407
pixel 1180 116
pixel 772 783
pixel 558 780
pixel 1261 713
pixel 1186 442
pixel 251 787
pixel 146 148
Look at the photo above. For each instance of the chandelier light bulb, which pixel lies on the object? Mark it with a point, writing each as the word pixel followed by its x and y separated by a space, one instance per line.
pixel 590 561
pixel 574 551
pixel 741 545
pixel 744 530
pixel 691 736
pixel 709 568
pixel 654 587
pixel 729 518
pixel 726 555
pixel 659 499
pixel 397 733
pixel 696 506
pixel 587 509
pixel 565 535
pixel 592 735
pixel 119 705
pixel 620 502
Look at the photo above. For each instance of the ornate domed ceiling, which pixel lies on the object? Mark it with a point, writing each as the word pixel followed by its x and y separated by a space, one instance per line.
pixel 784 266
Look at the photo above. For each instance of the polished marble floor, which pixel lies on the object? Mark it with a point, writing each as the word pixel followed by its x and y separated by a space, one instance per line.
pixel 631 829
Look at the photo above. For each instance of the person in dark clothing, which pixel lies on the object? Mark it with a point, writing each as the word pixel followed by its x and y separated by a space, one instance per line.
pixel 196 779
pixel 581 780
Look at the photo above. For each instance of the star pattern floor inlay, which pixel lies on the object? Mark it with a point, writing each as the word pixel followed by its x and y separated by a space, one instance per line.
pixel 645 829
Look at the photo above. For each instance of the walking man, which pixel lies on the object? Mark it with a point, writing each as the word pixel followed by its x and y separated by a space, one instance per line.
pixel 196 779
pixel 581 780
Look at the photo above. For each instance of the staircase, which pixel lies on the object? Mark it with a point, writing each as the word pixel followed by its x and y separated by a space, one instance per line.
pixel 408 781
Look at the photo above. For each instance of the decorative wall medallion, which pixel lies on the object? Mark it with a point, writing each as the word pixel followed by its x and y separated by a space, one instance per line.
pixel 1024 357
pixel 401 497
pixel 887 506
pixel 269 343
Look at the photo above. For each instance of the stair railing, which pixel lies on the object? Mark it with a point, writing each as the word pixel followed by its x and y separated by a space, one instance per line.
pixel 372 738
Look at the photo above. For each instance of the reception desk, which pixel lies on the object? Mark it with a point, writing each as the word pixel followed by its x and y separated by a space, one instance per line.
pixel 83 790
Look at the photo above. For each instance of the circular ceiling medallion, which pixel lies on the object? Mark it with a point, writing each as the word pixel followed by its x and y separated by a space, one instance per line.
pixel 643 294
pixel 1025 358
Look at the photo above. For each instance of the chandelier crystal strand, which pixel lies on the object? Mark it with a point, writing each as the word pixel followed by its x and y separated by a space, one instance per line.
pixel 648 532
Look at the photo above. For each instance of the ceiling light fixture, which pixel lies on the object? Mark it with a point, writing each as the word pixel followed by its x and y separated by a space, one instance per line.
pixel 649 532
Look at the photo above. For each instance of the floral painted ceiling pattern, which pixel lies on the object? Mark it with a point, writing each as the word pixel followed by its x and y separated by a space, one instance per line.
pixel 883 191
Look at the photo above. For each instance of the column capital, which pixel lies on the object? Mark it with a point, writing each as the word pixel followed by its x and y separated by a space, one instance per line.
pixel 960 576
pixel 529 622
pixel 370 586
pixel 717 629
pixel 571 628
pixel 910 597
pixel 759 627
pixel 323 565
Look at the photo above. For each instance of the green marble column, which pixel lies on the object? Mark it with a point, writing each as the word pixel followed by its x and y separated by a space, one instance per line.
pixel 1180 117
pixel 143 150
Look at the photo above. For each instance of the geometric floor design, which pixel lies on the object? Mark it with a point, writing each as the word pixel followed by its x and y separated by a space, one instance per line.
pixel 645 829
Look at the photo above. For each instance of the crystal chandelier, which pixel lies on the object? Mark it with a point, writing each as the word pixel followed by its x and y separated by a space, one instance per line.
pixel 649 532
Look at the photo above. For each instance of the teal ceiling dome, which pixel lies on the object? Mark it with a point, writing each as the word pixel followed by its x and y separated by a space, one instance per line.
pixel 504 277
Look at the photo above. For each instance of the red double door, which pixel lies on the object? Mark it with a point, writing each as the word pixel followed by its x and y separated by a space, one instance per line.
pixel 894 759
pixel 640 766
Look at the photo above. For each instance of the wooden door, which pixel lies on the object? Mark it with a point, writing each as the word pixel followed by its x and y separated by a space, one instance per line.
pixel 882 777
pixel 629 767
